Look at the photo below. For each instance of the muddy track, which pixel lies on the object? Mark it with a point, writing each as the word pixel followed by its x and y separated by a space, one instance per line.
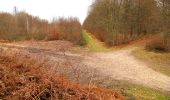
pixel 119 65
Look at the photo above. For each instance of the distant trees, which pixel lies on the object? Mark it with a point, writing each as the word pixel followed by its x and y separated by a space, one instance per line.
pixel 120 21
pixel 31 27
pixel 66 29
pixel 7 26
pixel 22 26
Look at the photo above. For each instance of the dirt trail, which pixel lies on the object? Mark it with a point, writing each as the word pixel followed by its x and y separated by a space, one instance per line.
pixel 120 65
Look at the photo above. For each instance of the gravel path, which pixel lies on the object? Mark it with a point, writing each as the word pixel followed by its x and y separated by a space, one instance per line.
pixel 120 65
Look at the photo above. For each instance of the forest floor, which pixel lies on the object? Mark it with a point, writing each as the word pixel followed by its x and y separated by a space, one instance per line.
pixel 99 66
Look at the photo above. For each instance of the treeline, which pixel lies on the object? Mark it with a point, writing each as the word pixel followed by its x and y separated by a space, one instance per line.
pixel 22 26
pixel 65 29
pixel 120 21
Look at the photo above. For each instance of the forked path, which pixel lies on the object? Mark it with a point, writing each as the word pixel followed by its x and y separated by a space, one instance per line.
pixel 120 65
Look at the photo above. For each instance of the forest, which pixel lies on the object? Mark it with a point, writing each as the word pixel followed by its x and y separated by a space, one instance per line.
pixel 121 51
pixel 120 21
pixel 111 21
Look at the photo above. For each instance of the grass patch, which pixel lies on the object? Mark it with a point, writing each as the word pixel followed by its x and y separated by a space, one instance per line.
pixel 159 62
pixel 143 93
pixel 136 92
pixel 92 43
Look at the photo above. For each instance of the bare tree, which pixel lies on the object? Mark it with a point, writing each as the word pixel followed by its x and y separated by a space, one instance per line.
pixel 165 10
pixel 120 21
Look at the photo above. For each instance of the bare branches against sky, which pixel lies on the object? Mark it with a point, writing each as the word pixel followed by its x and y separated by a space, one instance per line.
pixel 47 9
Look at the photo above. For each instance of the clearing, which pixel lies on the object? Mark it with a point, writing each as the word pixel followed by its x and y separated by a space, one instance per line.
pixel 119 64
pixel 110 68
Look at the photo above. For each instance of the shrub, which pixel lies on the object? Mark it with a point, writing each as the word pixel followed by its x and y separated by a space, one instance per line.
pixel 157 45
pixel 82 41
pixel 39 36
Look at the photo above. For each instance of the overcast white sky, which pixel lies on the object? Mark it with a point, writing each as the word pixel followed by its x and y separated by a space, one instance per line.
pixel 47 9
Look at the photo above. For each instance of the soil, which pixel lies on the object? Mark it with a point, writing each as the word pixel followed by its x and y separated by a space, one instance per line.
pixel 119 64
